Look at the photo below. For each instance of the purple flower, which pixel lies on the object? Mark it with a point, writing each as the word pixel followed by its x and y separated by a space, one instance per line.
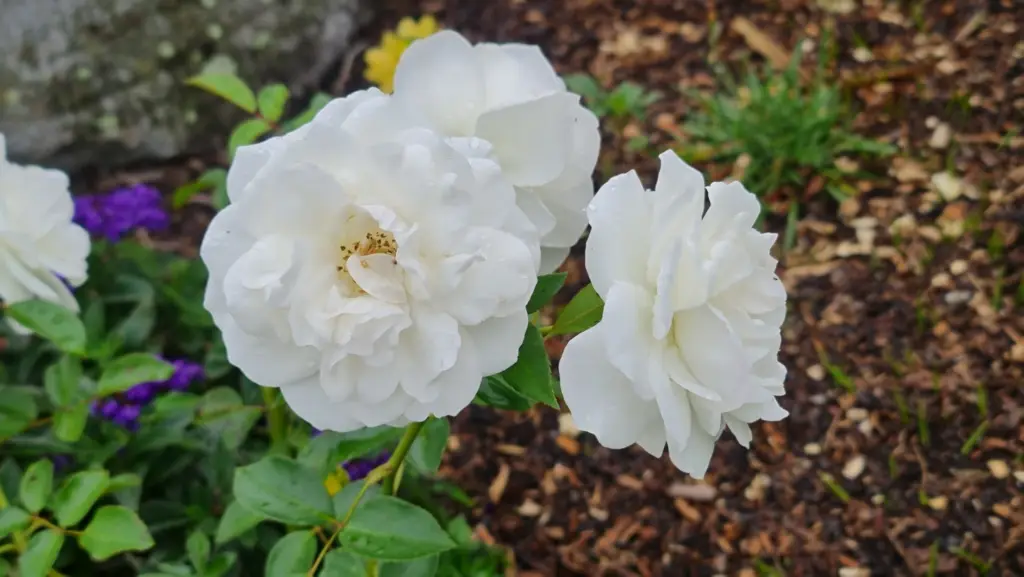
pixel 61 462
pixel 115 213
pixel 139 206
pixel 360 468
pixel 128 416
pixel 88 214
pixel 185 373
pixel 125 408
pixel 106 408
pixel 141 393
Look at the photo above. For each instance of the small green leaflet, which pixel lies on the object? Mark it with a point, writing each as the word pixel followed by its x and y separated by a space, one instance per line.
pixel 530 376
pixel 582 312
pixel 547 286
pixel 114 529
pixel 227 86
pixel 271 101
pixel 129 370
pixel 51 321
pixel 246 133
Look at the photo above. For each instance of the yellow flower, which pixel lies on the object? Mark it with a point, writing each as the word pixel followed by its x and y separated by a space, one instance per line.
pixel 336 481
pixel 415 29
pixel 382 59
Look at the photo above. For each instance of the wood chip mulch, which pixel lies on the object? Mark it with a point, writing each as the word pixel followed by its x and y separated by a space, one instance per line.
pixel 904 451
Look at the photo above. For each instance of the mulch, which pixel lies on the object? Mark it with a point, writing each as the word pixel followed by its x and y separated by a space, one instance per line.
pixel 902 313
pixel 904 451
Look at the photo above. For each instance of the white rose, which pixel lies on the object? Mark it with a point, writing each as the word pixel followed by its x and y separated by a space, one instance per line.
pixel 690 335
pixel 369 269
pixel 38 241
pixel 508 94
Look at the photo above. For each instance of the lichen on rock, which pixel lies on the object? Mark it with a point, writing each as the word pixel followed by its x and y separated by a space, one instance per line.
pixel 101 82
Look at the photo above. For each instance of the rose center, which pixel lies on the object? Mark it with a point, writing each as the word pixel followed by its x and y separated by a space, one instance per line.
pixel 363 241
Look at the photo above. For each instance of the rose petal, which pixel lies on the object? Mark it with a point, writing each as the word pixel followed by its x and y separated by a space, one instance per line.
pixel 601 399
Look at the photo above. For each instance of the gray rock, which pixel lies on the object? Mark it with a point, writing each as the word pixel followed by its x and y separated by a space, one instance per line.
pixel 100 82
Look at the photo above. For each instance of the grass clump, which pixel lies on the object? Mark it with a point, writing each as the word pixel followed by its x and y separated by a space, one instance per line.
pixel 790 129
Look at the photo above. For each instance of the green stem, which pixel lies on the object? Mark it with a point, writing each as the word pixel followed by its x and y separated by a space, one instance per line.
pixel 323 552
pixel 20 543
pixel 38 521
pixel 359 497
pixel 372 568
pixel 398 457
pixel 384 473
pixel 277 420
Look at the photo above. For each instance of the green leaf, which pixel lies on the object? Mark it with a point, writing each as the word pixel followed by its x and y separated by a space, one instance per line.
pixel 428 448
pixel 425 567
pixel 40 555
pixel 246 133
pixel 51 321
pixel 77 495
pixel 198 547
pixel 94 317
pixel 212 179
pixel 341 563
pixel 531 375
pixel 330 448
pixel 495 392
pixel 460 531
pixel 283 490
pixel 184 193
pixel 12 519
pixel 129 370
pixel 61 381
pixel 293 553
pixel 347 496
pixel 316 104
pixel 227 86
pixel 216 363
pixel 171 570
pixel 225 417
pixel 126 489
pixel 582 312
pixel 10 475
pixel 114 529
pixel 69 422
pixel 271 101
pixel 390 529
pixel 135 329
pixel 584 85
pixel 362 442
pixel 17 411
pixel 237 520
pixel 221 564
pixel 36 485
pixel 124 481
pixel 547 286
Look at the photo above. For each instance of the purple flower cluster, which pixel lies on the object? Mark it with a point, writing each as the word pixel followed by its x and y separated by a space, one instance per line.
pixel 360 468
pixel 124 409
pixel 62 462
pixel 122 210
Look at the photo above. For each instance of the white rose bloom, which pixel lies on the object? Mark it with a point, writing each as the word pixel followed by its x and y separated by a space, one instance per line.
pixel 38 240
pixel 508 94
pixel 369 269
pixel 690 335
